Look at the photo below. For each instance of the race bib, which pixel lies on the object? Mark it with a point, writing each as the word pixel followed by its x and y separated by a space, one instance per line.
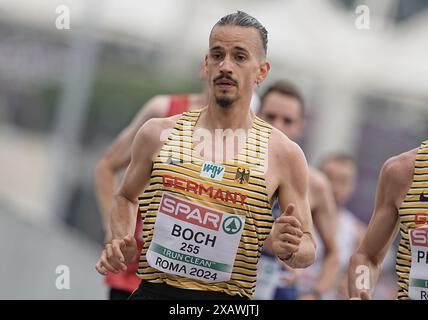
pixel 418 282
pixel 194 241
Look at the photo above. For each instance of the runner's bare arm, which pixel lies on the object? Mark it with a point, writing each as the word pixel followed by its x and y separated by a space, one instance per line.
pixel 145 147
pixel 118 156
pixel 324 215
pixel 393 184
pixel 122 248
pixel 292 235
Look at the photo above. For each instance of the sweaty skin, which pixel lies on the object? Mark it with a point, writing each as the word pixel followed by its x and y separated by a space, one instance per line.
pixel 235 53
pixel 394 182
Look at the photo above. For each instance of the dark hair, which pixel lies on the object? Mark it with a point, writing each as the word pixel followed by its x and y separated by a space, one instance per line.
pixel 287 88
pixel 242 19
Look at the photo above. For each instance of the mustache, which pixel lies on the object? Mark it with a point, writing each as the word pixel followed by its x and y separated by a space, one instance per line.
pixel 225 77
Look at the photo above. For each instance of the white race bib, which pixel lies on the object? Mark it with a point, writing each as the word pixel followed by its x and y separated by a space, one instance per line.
pixel 418 282
pixel 194 241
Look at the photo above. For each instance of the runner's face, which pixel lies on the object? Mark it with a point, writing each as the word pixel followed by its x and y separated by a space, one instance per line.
pixel 284 113
pixel 342 176
pixel 235 63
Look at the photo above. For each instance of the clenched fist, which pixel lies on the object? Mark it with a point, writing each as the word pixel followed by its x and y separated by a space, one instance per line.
pixel 287 234
pixel 116 255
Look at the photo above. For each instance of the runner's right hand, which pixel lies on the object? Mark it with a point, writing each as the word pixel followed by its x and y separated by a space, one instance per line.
pixel 116 255
pixel 287 233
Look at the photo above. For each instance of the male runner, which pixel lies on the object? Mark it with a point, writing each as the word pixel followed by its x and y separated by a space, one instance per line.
pixel 118 156
pixel 341 171
pixel 282 106
pixel 401 204
pixel 205 222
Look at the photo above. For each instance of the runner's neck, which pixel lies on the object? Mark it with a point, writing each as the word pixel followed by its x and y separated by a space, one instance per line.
pixel 235 117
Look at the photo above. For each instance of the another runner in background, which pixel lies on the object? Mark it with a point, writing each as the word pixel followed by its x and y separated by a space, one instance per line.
pixel 282 105
pixel 341 171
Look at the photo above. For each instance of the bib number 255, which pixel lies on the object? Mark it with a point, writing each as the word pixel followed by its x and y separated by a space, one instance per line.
pixel 189 248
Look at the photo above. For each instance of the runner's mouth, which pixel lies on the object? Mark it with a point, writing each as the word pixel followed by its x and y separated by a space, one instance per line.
pixel 225 83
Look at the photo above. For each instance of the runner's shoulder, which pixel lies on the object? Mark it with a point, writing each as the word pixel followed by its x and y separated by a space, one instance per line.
pixel 398 170
pixel 283 147
pixel 155 131
pixel 158 105
pixel 286 155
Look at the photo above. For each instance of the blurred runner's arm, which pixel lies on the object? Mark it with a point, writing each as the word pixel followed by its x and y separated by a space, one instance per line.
pixel 118 156
pixel 324 214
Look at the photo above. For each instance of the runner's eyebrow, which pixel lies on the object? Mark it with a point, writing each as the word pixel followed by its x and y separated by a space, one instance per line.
pixel 238 48
pixel 217 48
pixel 241 49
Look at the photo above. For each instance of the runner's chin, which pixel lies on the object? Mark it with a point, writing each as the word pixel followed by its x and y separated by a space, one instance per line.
pixel 225 99
pixel 224 102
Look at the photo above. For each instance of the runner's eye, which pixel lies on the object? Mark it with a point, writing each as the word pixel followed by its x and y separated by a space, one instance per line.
pixel 241 58
pixel 288 121
pixel 270 116
pixel 216 56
